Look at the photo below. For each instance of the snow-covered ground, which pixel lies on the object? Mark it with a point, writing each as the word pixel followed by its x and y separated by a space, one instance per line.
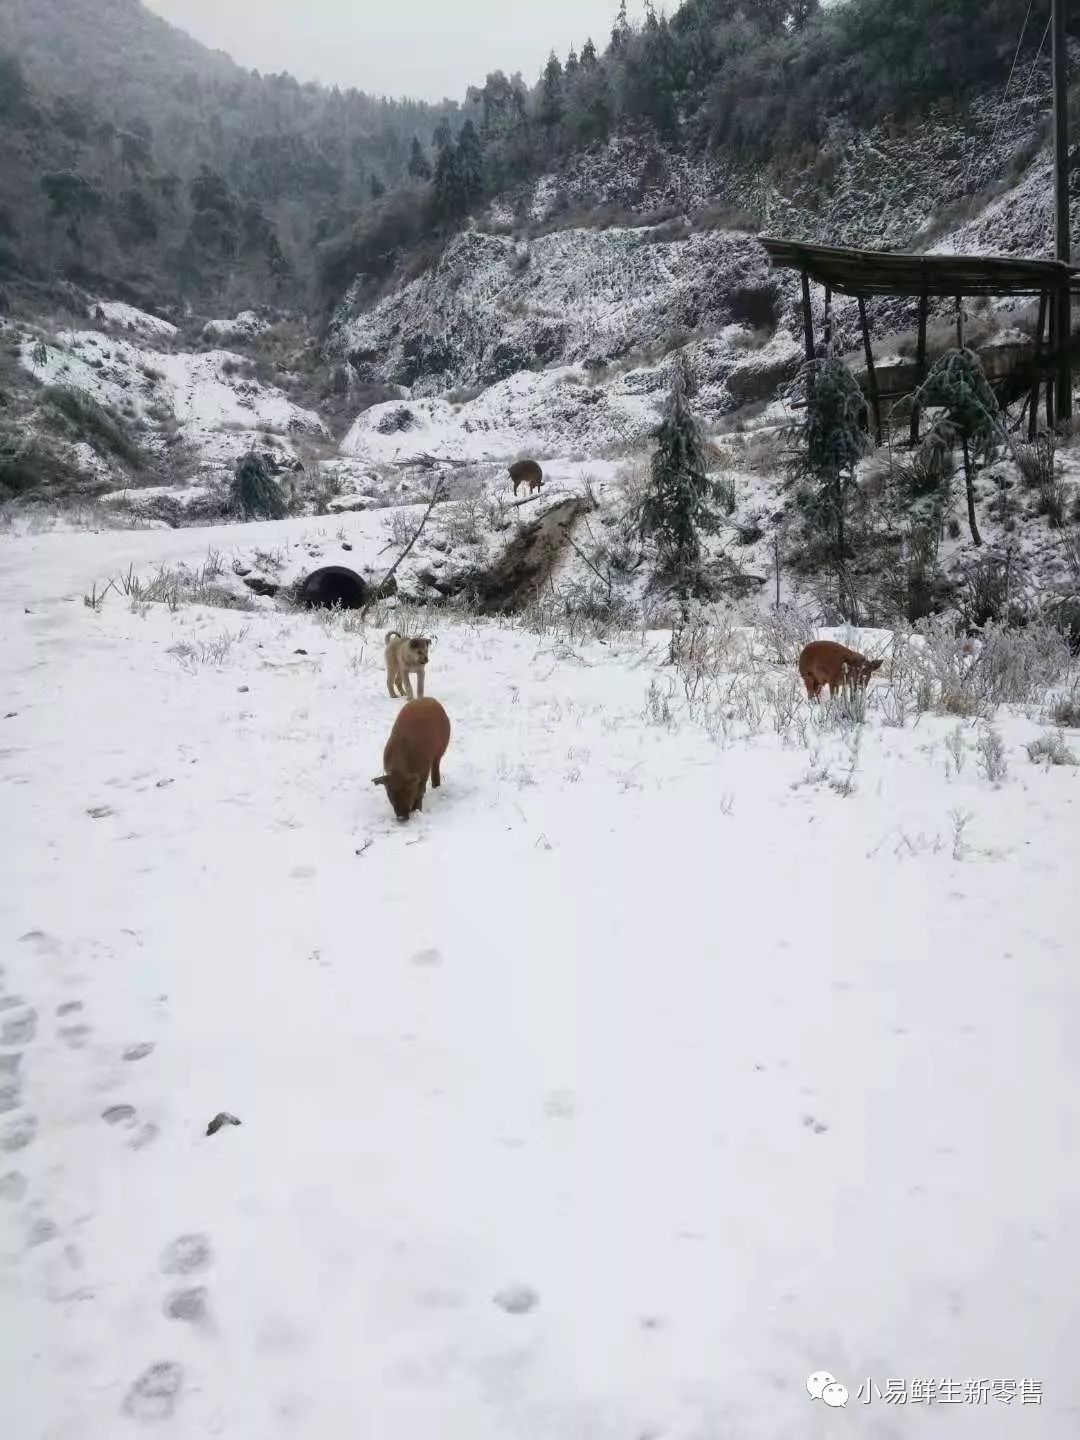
pixel 208 396
pixel 660 1073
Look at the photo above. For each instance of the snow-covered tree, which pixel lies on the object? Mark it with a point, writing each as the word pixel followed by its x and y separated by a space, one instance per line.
pixel 419 164
pixel 676 506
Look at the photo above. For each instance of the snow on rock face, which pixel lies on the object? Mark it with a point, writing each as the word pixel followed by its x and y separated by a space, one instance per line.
pixel 208 395
pixel 529 412
pixel 127 317
pixel 244 326
pixel 487 309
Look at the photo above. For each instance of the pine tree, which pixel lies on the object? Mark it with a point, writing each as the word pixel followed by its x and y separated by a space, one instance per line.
pixel 620 31
pixel 470 166
pixel 376 188
pixel 447 201
pixel 676 507
pixel 551 94
pixel 443 137
pixel 255 492
pixel 588 55
pixel 833 439
pixel 419 164
pixel 570 69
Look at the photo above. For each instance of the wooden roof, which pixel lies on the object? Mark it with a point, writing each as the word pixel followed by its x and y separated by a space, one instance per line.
pixel 884 272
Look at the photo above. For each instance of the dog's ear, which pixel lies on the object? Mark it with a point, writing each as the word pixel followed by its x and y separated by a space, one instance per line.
pixel 380 779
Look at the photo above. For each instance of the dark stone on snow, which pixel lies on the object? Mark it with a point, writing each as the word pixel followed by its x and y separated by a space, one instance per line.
pixel 221 1118
pixel 259 586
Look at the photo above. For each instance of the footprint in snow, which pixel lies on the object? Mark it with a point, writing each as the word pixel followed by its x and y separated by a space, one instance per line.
pixel 186 1255
pixel 517 1299
pixel 187 1305
pixel 140 1051
pixel 18 1028
pixel 427 958
pixel 75 1036
pixel 156 1393
pixel 817 1126
pixel 13 1186
pixel 126 1117
pixel 18 1134
pixel 119 1115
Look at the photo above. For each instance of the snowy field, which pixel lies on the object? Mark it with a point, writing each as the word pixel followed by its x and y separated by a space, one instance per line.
pixel 670 1056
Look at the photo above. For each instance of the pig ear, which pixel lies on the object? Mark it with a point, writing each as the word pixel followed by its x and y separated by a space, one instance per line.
pixel 380 779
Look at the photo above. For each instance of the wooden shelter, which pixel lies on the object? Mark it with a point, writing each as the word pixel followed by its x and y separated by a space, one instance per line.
pixel 862 273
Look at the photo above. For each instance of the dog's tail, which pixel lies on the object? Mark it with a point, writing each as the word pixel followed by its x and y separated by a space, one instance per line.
pixel 393 635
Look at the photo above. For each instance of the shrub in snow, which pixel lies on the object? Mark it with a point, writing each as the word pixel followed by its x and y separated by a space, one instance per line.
pixel 1049 750
pixel 255 492
pixel 1066 709
pixel 992 761
pixel 81 417
pixel 958 386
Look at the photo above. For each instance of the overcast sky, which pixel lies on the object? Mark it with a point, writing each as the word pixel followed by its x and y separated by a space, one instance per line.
pixel 423 48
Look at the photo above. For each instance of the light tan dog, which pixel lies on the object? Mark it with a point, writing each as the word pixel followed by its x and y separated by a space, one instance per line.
pixel 405 657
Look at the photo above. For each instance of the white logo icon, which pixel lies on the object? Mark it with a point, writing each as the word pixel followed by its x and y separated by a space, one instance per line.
pixel 816 1383
pixel 834 1394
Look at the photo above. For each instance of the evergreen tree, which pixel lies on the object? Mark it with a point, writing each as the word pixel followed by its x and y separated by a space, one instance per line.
pixel 419 165
pixel 590 106
pixel 676 507
pixel 620 31
pixel 255 492
pixel 376 187
pixel 958 385
pixel 470 166
pixel 550 110
pixel 833 439
pixel 570 69
pixel 443 137
pixel 448 202
pixel 588 55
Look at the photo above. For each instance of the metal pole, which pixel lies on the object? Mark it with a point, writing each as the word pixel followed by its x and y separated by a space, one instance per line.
pixel 1063 244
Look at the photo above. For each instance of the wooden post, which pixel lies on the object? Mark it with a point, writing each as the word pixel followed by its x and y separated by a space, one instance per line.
pixel 1063 241
pixel 920 367
pixel 871 373
pixel 1033 413
pixel 1051 379
pixel 808 316
pixel 959 322
pixel 828 322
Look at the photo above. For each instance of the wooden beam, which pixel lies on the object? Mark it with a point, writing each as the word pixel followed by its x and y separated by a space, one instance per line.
pixel 1063 241
pixel 920 367
pixel 1040 332
pixel 1051 379
pixel 871 373
pixel 808 316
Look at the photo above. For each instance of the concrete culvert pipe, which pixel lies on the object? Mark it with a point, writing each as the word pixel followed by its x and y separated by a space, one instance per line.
pixel 333 585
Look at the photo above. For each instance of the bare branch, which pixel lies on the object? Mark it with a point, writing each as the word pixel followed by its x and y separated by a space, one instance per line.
pixel 436 496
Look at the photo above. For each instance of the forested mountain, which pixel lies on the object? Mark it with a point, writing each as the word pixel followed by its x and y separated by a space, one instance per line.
pixel 131 152
pixel 134 157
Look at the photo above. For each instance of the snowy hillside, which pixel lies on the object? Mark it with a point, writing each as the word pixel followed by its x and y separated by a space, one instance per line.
pixel 490 308
pixel 690 1042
